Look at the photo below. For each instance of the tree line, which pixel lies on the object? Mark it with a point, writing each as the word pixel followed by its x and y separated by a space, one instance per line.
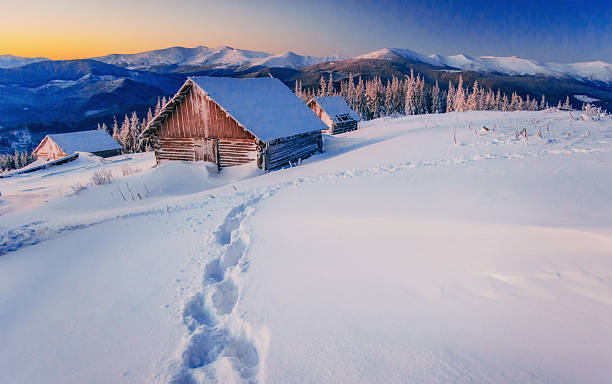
pixel 127 134
pixel 372 99
pixel 8 162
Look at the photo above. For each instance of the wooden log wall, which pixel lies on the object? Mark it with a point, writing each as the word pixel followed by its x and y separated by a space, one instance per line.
pixel 49 150
pixel 236 152
pixel 345 126
pixel 175 149
pixel 199 116
pixel 316 108
pixel 287 150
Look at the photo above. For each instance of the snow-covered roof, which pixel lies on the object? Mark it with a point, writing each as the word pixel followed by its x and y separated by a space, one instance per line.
pixel 85 141
pixel 264 106
pixel 336 108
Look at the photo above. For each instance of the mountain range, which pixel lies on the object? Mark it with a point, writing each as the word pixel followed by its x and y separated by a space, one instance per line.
pixel 43 95
pixel 177 59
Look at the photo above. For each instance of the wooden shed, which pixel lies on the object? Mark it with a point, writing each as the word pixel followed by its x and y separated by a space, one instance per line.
pixel 335 113
pixel 231 121
pixel 97 142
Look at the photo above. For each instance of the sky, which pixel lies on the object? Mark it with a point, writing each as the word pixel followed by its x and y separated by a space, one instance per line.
pixel 560 31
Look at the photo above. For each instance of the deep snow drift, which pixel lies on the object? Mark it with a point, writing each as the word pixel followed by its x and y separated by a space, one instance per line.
pixel 397 255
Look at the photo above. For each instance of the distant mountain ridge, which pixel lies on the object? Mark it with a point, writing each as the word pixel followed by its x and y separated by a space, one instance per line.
pixel 219 57
pixel 182 59
pixel 10 61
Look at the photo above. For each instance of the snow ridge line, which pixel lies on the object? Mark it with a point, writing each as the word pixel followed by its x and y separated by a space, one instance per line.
pixel 221 346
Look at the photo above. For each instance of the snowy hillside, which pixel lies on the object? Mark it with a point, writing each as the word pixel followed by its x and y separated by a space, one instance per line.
pixel 10 61
pixel 415 249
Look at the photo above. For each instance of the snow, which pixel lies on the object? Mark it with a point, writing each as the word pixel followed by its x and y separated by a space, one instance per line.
pixel 394 256
pixel 293 60
pixel 222 56
pixel 593 70
pixel 335 106
pixel 84 141
pixel 391 53
pixel 264 106
pixel 585 98
pixel 10 61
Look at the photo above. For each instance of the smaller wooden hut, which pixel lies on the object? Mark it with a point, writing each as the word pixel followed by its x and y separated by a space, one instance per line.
pixel 230 121
pixel 58 145
pixel 335 113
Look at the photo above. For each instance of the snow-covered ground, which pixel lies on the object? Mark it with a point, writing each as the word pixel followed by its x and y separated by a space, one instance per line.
pixel 395 256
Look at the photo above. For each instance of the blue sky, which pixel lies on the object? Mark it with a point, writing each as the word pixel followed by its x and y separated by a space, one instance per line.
pixel 561 30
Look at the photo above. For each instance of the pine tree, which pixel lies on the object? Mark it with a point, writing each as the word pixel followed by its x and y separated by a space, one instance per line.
pixel 472 101
pixel 450 97
pixel 330 86
pixel 134 131
pixel 505 106
pixel 436 105
pixel 543 103
pixel 124 134
pixel 158 106
pixel 389 110
pixel 116 131
pixel 459 96
pixel 104 128
pixel 322 87
pixel 567 104
pixel 149 116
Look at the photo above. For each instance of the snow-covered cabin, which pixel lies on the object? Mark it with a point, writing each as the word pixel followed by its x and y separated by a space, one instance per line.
pixel 335 113
pixel 231 121
pixel 58 145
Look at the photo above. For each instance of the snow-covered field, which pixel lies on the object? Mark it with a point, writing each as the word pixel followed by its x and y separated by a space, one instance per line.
pixel 394 256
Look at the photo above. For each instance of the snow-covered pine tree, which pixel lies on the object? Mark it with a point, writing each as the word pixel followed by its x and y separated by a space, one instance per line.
pixel 116 131
pixel 322 87
pixel 351 92
pixel 410 96
pixel 514 102
pixel 567 104
pixel 134 132
pixel 472 100
pixel 459 98
pixel 124 134
pixel 450 97
pixel 436 104
pixel 543 103
pixel 398 95
pixel 330 86
pixel 149 117
pixel 104 128
pixel 505 105
pixel 498 100
pixel 158 106
pixel 360 105
pixel 389 99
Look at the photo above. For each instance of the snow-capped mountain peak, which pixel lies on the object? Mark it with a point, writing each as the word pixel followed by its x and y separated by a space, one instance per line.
pixel 392 53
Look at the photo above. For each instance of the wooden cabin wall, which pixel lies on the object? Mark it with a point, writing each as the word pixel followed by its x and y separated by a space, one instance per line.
pixel 316 108
pixel 49 150
pixel 281 152
pixel 198 129
pixel 200 117
pixel 345 126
